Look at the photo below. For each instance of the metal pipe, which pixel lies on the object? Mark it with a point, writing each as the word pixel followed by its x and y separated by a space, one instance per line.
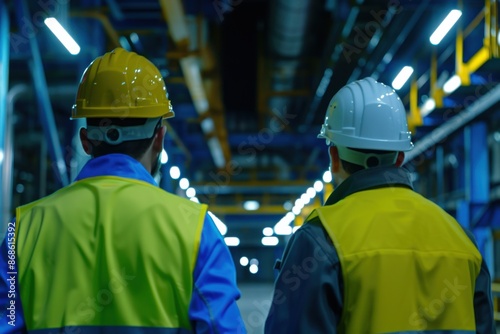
pixel 42 94
pixel 437 135
pixel 4 85
pixel 104 20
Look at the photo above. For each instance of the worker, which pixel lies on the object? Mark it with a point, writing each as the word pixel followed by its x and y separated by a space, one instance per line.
pixel 112 252
pixel 378 257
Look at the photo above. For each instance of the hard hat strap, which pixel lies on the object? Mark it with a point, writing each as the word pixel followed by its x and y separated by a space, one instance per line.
pixel 115 135
pixel 367 160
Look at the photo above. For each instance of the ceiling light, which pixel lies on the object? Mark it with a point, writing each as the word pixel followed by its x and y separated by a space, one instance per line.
pixel 232 241
pixel 254 268
pixel 452 84
pixel 164 157
pixel 327 177
pixel 184 183
pixel 267 231
pixel 318 186
pixel 62 35
pixel 428 106
pixel 289 217
pixel 295 228
pixel 244 261
pixel 311 192
pixel 194 199
pixel 299 203
pixel 190 192
pixel 305 199
pixel 251 205
pixel 218 223
pixel 402 77
pixel 445 26
pixel 175 172
pixel 270 241
pixel 254 261
pixel 282 229
pixel 296 210
pixel 207 125
pixel 288 206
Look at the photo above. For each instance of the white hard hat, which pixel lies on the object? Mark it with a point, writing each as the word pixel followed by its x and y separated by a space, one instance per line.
pixel 367 114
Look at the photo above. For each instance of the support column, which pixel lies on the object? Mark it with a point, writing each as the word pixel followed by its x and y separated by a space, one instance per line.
pixel 43 100
pixel 477 189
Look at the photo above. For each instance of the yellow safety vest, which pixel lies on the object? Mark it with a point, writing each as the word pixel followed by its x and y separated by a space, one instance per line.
pixel 108 251
pixel 406 264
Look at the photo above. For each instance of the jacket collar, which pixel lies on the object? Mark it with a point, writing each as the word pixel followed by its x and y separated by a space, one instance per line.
pixel 371 178
pixel 119 165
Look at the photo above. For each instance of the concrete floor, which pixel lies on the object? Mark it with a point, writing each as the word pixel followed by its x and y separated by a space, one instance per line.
pixel 254 305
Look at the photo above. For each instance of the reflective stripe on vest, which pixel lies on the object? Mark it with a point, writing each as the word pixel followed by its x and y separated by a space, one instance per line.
pixel 108 251
pixel 406 264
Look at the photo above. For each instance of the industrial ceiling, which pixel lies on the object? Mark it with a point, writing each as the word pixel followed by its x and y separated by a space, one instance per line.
pixel 250 81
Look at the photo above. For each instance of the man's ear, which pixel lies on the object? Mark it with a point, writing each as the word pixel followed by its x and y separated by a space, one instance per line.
pixel 158 139
pixel 334 158
pixel 85 141
pixel 400 159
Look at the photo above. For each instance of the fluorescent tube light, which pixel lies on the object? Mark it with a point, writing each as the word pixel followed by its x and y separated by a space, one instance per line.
pixel 254 268
pixel 232 241
pixel 402 77
pixel 327 177
pixel 452 84
pixel 445 26
pixel 244 261
pixel 318 186
pixel 62 35
pixel 428 106
pixel 164 157
pixel 190 192
pixel 251 205
pixel 175 172
pixel 184 183
pixel 270 241
pixel 267 231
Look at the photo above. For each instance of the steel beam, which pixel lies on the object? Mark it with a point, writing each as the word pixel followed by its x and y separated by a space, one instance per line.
pixel 43 100
pixel 482 104
pixel 4 87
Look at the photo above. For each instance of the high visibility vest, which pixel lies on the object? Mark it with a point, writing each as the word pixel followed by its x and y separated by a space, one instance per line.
pixel 406 264
pixel 108 251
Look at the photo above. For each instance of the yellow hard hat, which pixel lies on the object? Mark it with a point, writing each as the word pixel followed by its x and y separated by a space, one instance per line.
pixel 122 84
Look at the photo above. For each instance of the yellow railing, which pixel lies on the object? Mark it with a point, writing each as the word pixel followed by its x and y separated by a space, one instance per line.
pixel 489 50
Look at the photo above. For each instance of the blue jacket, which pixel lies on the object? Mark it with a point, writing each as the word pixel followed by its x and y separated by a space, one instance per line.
pixel 210 311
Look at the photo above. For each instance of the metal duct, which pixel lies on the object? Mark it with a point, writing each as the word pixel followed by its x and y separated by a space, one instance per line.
pixel 290 35
pixel 289 24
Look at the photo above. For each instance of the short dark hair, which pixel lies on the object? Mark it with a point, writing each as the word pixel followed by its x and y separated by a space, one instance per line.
pixel 133 148
pixel 351 168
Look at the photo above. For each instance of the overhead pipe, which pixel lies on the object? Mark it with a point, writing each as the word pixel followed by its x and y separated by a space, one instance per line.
pixel 105 22
pixel 4 86
pixel 334 57
pixel 461 119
